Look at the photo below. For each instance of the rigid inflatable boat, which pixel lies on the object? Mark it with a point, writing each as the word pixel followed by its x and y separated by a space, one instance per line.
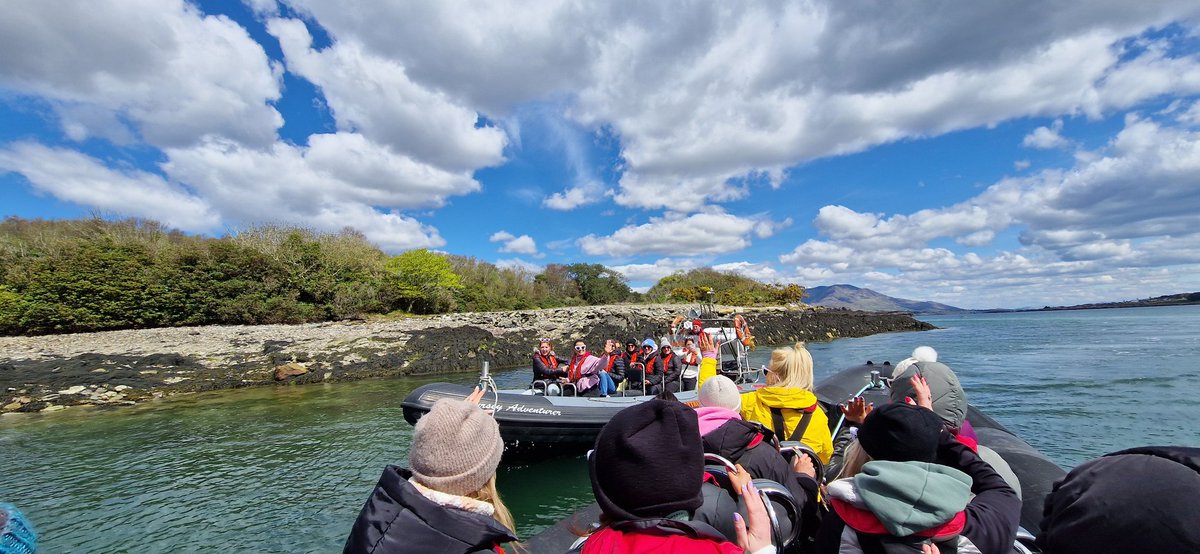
pixel 1034 470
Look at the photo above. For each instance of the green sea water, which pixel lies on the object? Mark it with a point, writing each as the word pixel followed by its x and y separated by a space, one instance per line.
pixel 286 469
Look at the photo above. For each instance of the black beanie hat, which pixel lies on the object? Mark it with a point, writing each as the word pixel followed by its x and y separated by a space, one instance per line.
pixel 648 462
pixel 900 432
pixel 1136 500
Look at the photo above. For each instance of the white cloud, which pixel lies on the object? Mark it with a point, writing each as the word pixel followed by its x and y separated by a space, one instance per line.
pixel 574 197
pixel 1130 206
pixel 657 270
pixel 174 74
pixel 710 101
pixel 758 271
pixel 1046 138
pixel 75 177
pixel 1021 165
pixel 340 179
pixel 523 244
pixel 703 233
pixel 374 96
pixel 519 264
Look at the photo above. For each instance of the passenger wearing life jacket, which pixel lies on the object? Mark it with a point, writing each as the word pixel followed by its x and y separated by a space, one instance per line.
pixel 915 488
pixel 615 360
pixel 689 360
pixel 447 501
pixel 587 371
pixel 787 404
pixel 1136 500
pixel 663 370
pixel 643 513
pixel 546 364
pixel 725 433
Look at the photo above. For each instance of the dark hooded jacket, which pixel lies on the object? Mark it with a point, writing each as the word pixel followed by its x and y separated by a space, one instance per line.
pixel 1136 500
pixel 398 518
pixel 731 441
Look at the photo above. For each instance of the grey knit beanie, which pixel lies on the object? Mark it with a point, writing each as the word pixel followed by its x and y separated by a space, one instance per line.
pixel 719 391
pixel 456 447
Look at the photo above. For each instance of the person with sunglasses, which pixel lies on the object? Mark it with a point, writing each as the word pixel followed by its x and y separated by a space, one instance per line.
pixel 587 371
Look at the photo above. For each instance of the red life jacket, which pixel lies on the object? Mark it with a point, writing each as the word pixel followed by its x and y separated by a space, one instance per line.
pixel 608 368
pixel 549 361
pixel 690 357
pixel 608 540
pixel 864 521
pixel 575 367
pixel 666 362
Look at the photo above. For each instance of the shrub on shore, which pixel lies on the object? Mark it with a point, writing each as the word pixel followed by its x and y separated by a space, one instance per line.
pixel 95 274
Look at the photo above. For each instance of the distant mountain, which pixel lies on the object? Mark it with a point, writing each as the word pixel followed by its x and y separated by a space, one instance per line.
pixel 867 300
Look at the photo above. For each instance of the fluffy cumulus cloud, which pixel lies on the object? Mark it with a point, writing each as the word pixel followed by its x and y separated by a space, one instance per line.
pixel 651 272
pixel 337 181
pixel 75 177
pixel 1128 210
pixel 711 100
pixel 713 232
pixel 1046 137
pixel 158 69
pixel 374 95
pixel 523 244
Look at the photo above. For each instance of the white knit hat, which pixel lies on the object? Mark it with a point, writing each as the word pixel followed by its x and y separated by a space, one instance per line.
pixel 720 392
pixel 456 447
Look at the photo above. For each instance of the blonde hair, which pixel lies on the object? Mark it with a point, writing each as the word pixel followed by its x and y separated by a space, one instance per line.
pixel 490 495
pixel 853 460
pixel 793 367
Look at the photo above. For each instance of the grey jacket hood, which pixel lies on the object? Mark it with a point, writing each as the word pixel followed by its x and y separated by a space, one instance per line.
pixel 949 398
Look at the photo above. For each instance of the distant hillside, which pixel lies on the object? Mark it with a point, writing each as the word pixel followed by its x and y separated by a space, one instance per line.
pixel 1168 300
pixel 855 298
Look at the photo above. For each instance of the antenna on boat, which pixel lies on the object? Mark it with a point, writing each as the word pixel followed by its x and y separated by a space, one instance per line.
pixel 486 381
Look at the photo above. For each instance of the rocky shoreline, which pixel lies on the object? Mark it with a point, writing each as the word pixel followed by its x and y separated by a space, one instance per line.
pixel 48 373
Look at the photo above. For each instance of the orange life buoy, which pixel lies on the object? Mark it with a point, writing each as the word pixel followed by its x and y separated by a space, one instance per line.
pixel 743 331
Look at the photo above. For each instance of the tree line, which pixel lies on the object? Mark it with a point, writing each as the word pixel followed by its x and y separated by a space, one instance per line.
pixel 92 274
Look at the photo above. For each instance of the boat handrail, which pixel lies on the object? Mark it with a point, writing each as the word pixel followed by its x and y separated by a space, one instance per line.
pixel 877 382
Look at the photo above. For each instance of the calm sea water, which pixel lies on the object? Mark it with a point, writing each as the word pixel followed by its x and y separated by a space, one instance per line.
pixel 286 469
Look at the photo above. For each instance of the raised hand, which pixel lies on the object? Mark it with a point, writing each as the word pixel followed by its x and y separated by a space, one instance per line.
pixel 921 389
pixel 475 396
pixel 754 534
pixel 708 346
pixel 856 409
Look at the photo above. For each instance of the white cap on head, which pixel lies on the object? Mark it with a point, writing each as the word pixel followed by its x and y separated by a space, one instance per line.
pixel 719 391
pixel 925 354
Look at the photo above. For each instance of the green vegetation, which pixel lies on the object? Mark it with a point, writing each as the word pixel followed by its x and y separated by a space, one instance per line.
pixel 727 288
pixel 96 274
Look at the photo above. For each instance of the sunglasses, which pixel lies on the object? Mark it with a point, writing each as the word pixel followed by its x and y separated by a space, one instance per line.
pixel 580 348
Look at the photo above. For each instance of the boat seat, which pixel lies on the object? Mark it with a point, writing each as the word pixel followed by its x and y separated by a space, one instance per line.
pixel 550 387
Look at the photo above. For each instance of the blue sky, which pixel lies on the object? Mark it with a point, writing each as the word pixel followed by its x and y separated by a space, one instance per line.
pixel 1009 155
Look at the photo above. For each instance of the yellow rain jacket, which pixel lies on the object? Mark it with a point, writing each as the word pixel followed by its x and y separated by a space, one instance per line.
pixel 756 406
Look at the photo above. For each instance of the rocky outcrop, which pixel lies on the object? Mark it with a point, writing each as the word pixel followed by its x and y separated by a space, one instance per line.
pixel 124 367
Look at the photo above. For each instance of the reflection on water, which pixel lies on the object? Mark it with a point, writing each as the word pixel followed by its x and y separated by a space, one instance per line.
pixel 286 469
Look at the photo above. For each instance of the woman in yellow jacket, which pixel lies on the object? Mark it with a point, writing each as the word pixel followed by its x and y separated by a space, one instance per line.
pixel 789 392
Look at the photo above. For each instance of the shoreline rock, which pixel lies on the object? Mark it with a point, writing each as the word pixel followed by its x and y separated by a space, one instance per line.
pixel 125 367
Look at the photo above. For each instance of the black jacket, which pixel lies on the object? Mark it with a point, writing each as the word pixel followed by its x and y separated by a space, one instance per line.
pixel 992 515
pixel 541 371
pixel 660 371
pixel 763 461
pixel 1136 500
pixel 398 518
